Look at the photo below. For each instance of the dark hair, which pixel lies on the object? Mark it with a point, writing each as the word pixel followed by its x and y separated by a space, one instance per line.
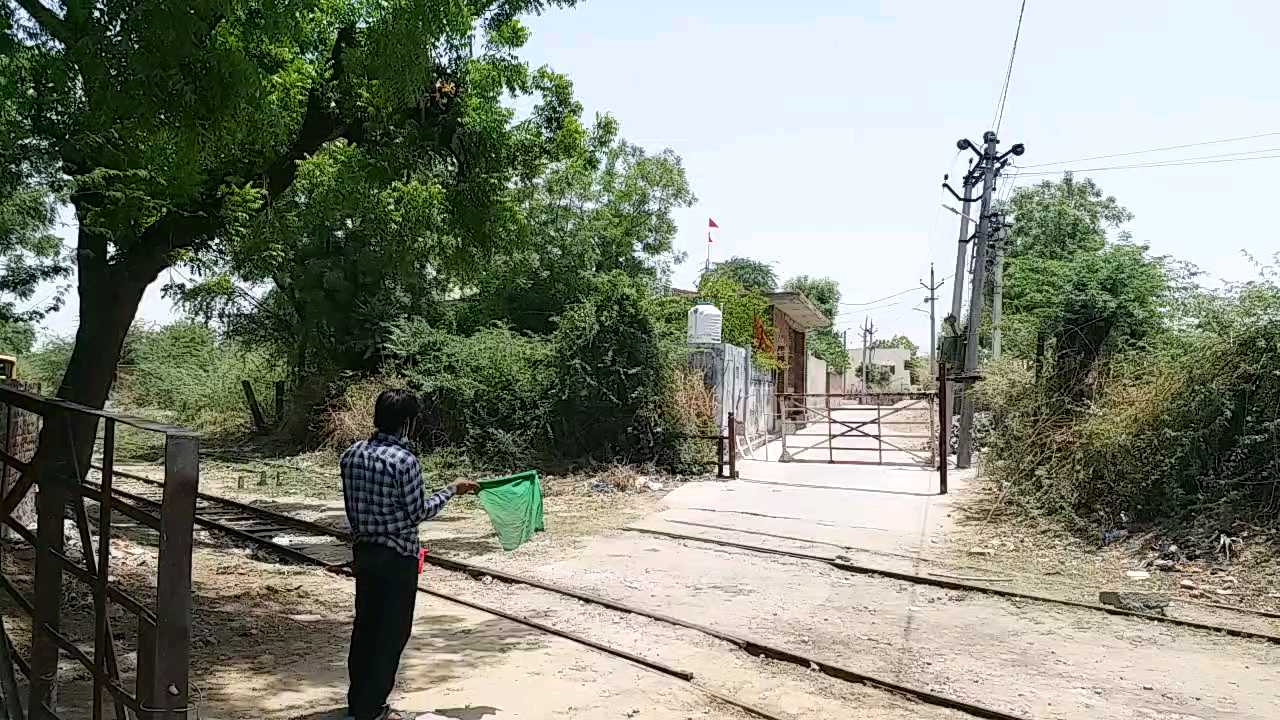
pixel 394 409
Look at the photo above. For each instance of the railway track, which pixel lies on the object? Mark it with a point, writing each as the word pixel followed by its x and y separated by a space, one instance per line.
pixel 293 539
pixel 300 541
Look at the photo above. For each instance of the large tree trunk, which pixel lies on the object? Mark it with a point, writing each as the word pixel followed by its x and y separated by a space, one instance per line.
pixel 108 303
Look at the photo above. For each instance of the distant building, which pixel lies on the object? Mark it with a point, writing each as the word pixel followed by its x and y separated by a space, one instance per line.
pixel 793 315
pixel 892 364
pixel 759 397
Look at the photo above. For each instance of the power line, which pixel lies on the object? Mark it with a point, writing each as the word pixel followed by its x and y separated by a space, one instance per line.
pixel 1237 153
pixel 1172 163
pixel 1158 149
pixel 890 297
pixel 861 311
pixel 1008 75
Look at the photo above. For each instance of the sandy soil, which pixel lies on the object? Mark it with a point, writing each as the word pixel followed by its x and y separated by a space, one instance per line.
pixel 270 641
pixel 1038 556
pixel 1031 658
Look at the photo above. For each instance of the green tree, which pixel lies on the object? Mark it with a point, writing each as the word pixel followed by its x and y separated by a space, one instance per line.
pixel 824 293
pixel 607 207
pixel 822 343
pixel 17 338
pixel 30 254
pixel 901 342
pixel 1071 290
pixel 174 125
pixel 742 309
pixel 750 274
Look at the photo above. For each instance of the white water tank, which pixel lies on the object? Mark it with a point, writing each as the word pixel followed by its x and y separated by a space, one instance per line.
pixel 705 320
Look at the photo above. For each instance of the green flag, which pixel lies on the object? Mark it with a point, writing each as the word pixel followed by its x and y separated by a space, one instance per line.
pixel 514 505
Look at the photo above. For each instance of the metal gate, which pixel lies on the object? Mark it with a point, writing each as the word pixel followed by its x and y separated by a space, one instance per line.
pixel 37 573
pixel 860 429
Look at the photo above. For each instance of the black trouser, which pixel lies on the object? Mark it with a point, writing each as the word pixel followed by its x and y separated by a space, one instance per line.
pixel 386 589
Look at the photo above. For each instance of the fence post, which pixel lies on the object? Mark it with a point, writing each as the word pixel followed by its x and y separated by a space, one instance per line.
pixel 733 448
pixel 173 580
pixel 720 456
pixel 944 428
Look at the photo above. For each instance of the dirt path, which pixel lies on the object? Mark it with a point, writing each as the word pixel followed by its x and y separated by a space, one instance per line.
pixel 1028 658
pixel 1034 659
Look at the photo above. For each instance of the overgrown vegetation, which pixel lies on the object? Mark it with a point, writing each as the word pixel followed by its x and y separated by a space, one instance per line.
pixel 823 343
pixel 183 373
pixel 1127 388
pixel 745 319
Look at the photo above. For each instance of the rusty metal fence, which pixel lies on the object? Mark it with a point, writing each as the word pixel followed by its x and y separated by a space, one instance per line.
pixel 157 629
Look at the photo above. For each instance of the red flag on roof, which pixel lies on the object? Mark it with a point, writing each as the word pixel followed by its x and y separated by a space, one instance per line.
pixel 711 223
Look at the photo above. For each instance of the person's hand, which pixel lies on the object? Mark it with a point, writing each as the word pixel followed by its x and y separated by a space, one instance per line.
pixel 465 487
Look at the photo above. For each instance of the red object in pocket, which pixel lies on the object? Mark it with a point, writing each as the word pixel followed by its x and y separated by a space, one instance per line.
pixel 422 558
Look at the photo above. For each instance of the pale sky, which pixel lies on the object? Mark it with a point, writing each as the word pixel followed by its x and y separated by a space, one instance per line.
pixel 816 133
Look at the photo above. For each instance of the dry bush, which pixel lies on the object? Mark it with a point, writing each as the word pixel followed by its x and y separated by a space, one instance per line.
pixel 692 405
pixel 689 410
pixel 348 417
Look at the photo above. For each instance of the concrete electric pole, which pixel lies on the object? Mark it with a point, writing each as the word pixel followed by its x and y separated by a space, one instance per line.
pixel 932 299
pixel 962 254
pixel 868 332
pixel 989 165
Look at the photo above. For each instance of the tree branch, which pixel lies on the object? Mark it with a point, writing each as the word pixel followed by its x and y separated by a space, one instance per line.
pixel 319 125
pixel 179 230
pixel 48 20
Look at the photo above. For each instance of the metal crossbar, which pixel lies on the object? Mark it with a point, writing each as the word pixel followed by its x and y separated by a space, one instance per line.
pixel 796 405
pixel 163 630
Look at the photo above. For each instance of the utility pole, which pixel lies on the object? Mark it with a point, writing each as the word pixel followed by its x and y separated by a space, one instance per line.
pixel 971 176
pixel 868 332
pixel 997 295
pixel 990 163
pixel 932 287
pixel 957 292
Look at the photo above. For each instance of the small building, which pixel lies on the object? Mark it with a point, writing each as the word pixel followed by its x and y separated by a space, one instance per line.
pixel 756 396
pixel 892 365
pixel 793 315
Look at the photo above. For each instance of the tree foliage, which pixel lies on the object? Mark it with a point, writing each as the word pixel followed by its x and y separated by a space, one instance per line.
pixel 595 388
pixel 1072 295
pixel 176 131
pixel 745 317
pixel 30 253
pixel 822 343
pixel 751 274
pixel 1129 391
pixel 901 342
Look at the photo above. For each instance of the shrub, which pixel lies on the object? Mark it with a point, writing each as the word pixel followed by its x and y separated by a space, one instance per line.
pixel 348 417
pixel 602 387
pixel 609 385
pixel 689 411
pixel 1181 434
pixel 47 364
pixel 487 392
pixel 185 373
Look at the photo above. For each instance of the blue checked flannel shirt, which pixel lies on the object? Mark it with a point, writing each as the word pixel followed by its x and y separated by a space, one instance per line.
pixel 382 491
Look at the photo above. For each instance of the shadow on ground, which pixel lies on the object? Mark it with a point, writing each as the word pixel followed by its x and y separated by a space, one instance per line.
pixel 475 712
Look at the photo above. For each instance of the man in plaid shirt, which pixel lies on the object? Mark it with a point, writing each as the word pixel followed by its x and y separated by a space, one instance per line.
pixel 385 502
